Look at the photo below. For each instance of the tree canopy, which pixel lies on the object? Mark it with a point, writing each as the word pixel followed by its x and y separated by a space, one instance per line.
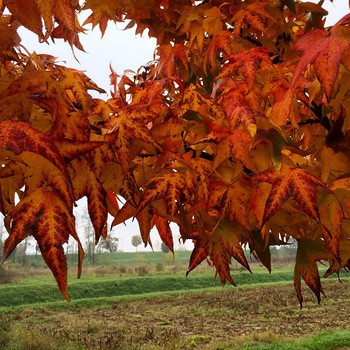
pixel 237 132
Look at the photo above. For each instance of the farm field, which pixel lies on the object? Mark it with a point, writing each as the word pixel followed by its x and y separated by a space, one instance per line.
pixel 145 309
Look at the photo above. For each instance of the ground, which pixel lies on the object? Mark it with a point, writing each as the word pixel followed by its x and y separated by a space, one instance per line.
pixel 227 319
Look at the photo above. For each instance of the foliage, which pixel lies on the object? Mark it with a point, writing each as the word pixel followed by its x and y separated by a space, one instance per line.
pixel 237 132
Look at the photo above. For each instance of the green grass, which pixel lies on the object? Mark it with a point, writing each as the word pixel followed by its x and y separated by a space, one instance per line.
pixel 39 291
pixel 45 290
pixel 323 341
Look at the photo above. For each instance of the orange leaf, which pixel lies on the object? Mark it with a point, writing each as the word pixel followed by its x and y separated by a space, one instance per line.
pixel 342 262
pixel 260 247
pixel 64 12
pixel 230 143
pixel 126 212
pixel 173 188
pixel 289 182
pixel 87 184
pixel 232 200
pixel 45 216
pixel 220 43
pixel 220 245
pixel 331 215
pixel 20 10
pixel 102 12
pixel 164 231
pixel 170 59
pixel 247 63
pixel 71 149
pixel 309 252
pixel 39 172
pixel 19 137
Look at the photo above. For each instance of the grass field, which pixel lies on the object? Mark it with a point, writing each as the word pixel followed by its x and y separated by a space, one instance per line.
pixel 145 302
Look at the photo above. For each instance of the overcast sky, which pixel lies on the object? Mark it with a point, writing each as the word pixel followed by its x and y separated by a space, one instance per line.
pixel 124 51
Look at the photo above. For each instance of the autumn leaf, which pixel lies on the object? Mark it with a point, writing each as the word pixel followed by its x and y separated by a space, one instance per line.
pixel 230 143
pixel 71 149
pixel 220 43
pixel 25 87
pixel 325 55
pixel 126 212
pixel 87 184
pixel 255 15
pixel 19 137
pixel 20 10
pixel 221 245
pixel 45 216
pixel 78 84
pixel 38 171
pixel 260 247
pixel 170 188
pixel 102 13
pixel 282 110
pixel 164 231
pixel 342 262
pixel 309 252
pixel 331 216
pixel 171 57
pixel 289 182
pixel 246 63
pixel 232 200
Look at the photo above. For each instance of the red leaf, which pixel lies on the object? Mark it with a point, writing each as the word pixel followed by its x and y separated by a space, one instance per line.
pixel 324 51
pixel 289 182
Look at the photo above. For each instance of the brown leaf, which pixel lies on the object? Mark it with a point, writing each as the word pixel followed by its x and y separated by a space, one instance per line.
pixel 309 252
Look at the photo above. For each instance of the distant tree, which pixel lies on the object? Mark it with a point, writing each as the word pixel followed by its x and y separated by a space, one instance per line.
pixel 164 248
pixel 136 241
pixel 110 244
pixel 89 235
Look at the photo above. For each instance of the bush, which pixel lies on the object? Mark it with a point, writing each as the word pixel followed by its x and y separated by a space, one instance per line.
pixel 141 270
pixel 6 276
pixel 159 267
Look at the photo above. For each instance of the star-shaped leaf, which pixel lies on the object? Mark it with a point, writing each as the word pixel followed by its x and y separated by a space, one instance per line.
pixel 173 188
pixel 290 181
pixel 45 216
pixel 220 245
pixel 325 55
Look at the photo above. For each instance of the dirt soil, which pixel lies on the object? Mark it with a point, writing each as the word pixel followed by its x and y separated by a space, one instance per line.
pixel 205 320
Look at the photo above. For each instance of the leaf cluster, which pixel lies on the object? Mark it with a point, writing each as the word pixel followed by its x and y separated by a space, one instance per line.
pixel 237 132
